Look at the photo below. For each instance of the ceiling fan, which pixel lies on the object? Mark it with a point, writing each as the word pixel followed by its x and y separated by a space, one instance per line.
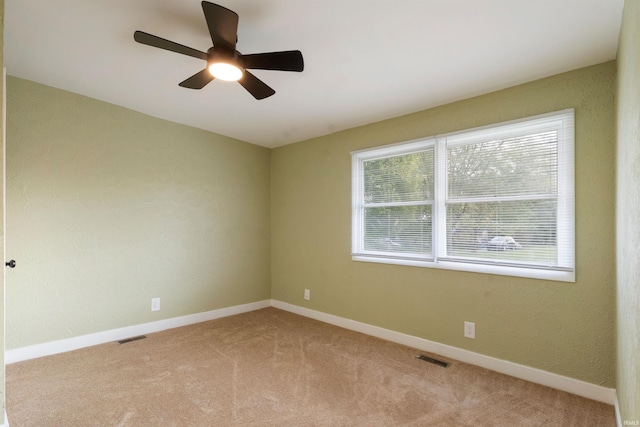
pixel 224 62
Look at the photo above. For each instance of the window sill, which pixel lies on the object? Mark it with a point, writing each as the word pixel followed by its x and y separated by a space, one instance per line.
pixel 531 273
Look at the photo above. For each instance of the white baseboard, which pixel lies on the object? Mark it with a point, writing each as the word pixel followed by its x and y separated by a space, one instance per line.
pixel 616 405
pixel 75 343
pixel 570 385
pixel 538 376
pixel 6 420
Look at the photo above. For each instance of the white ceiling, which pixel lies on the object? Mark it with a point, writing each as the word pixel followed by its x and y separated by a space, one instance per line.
pixel 365 60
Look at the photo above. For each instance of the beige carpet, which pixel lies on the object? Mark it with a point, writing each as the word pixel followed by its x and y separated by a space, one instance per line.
pixel 273 368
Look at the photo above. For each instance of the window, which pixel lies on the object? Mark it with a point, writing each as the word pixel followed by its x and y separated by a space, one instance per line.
pixel 498 199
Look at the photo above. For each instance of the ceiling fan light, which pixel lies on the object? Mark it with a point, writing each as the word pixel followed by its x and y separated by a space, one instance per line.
pixel 225 71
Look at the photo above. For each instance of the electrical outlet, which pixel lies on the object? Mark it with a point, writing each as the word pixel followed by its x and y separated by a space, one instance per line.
pixel 470 330
pixel 307 294
pixel 155 304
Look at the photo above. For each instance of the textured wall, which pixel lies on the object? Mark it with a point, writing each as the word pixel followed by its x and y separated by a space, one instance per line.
pixel 107 208
pixel 628 213
pixel 566 328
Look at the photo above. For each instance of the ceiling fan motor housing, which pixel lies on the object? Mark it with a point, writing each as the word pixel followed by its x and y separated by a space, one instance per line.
pixel 222 55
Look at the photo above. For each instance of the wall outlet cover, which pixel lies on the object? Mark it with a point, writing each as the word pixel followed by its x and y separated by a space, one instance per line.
pixel 470 330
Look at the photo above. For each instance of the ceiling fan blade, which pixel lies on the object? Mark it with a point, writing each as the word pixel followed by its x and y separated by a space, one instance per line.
pixel 155 41
pixel 290 60
pixel 255 86
pixel 198 80
pixel 223 25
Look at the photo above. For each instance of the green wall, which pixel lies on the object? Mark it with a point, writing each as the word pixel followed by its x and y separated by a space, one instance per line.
pixel 628 212
pixel 565 328
pixel 108 208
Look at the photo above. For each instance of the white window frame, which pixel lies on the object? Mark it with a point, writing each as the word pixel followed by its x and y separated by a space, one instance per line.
pixel 562 121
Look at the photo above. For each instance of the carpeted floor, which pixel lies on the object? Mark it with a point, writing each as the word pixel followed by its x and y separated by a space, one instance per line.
pixel 274 368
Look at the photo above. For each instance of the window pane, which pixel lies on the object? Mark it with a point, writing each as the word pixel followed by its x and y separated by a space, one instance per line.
pixel 406 178
pixel 404 229
pixel 502 201
pixel 508 167
pixel 518 231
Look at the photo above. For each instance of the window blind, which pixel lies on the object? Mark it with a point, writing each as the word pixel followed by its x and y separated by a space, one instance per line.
pixel 497 199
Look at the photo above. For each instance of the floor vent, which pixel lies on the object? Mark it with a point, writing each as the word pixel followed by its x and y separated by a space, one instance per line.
pixel 432 360
pixel 139 337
